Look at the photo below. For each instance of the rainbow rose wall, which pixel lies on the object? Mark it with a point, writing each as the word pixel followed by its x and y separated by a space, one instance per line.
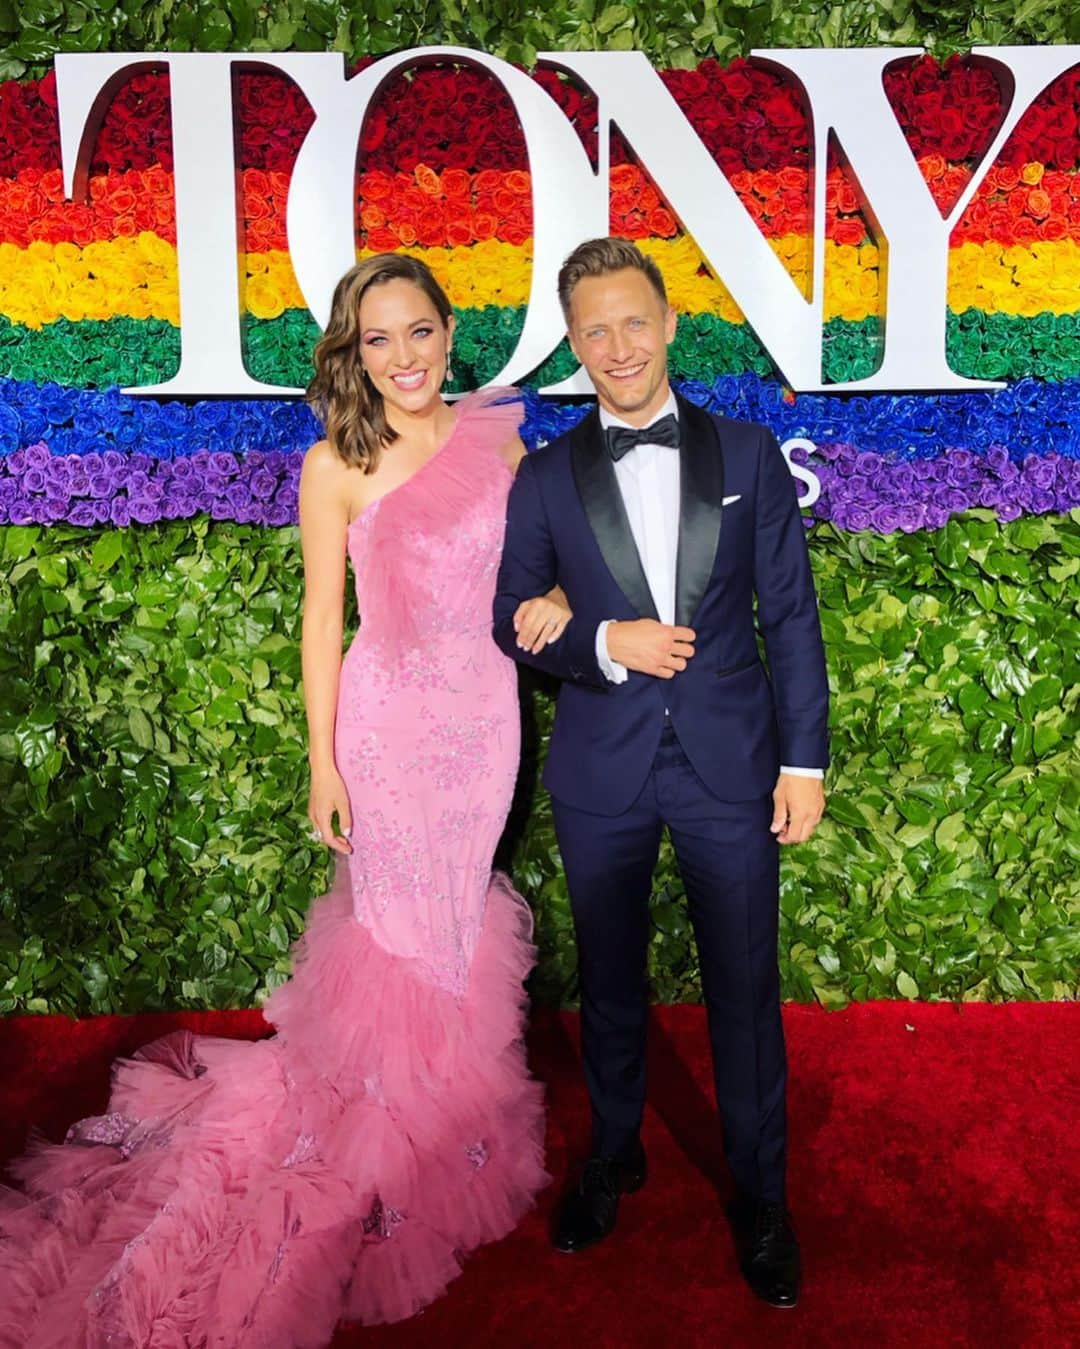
pixel 152 761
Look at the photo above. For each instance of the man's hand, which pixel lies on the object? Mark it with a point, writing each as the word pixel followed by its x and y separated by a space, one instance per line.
pixel 798 805
pixel 650 647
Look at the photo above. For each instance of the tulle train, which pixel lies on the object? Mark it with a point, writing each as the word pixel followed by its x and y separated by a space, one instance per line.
pixel 250 1196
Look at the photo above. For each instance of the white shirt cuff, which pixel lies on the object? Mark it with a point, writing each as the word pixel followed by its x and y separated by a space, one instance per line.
pixel 611 669
pixel 803 772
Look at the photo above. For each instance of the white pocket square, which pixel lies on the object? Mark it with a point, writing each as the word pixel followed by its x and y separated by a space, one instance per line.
pixel 728 500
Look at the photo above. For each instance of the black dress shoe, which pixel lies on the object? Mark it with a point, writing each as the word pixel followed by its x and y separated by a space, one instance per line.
pixel 587 1214
pixel 768 1251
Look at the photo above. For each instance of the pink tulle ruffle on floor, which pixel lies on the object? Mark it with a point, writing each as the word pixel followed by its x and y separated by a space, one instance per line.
pixel 252 1195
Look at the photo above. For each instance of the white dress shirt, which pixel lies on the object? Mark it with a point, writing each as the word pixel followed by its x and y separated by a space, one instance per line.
pixel 648 479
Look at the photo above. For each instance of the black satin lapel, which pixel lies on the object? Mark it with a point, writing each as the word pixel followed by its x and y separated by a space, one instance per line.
pixel 594 474
pixel 701 505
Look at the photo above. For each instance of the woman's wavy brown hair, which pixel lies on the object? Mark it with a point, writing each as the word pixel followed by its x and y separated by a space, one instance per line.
pixel 349 406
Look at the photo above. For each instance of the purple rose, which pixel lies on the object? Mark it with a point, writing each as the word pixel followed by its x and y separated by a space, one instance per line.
pixel 37 456
pixel 237 494
pixel 144 510
pixel 224 463
pixel 912 516
pixel 33 480
pixel 1039 471
pixel 181 469
pixel 16 463
pixel 885 518
pixel 101 511
pixel 114 461
pixel 278 515
pixel 101 486
pixel 262 485
pixel 92 463
pixel 1008 510
pixel 120 511
pixel 997 457
pixel 82 513
pixel 79 484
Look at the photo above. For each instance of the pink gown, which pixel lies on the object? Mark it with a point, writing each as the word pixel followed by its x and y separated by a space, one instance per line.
pixel 240 1195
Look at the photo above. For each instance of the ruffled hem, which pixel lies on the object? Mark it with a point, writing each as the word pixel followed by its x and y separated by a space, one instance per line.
pixel 252 1195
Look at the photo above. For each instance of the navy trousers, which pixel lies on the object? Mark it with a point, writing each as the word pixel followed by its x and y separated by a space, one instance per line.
pixel 730 867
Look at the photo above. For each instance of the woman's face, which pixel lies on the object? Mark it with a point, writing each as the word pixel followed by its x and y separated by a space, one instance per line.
pixel 404 345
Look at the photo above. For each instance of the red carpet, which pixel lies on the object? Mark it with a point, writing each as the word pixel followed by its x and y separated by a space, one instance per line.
pixel 935 1183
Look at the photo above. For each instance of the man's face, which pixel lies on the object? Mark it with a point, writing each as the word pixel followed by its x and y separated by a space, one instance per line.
pixel 619 331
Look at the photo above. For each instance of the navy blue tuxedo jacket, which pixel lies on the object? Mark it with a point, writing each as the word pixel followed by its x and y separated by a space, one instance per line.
pixel 567 525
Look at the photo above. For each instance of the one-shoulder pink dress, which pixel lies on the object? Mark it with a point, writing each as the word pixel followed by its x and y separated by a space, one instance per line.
pixel 239 1195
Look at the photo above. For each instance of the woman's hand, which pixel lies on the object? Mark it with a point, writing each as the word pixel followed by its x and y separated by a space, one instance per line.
pixel 328 795
pixel 541 621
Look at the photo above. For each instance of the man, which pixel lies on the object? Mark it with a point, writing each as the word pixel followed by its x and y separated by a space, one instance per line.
pixel 662 524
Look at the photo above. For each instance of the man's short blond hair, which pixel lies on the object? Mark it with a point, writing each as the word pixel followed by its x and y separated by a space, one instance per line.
pixel 599 257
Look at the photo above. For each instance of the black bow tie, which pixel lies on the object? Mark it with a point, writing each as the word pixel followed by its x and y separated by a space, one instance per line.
pixel 622 439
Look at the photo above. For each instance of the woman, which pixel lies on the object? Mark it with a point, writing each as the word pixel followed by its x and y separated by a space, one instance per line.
pixel 241 1195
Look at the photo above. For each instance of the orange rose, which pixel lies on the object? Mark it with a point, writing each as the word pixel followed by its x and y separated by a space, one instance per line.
pixel 1005 178
pixel 743 181
pixel 1038 203
pixel 519 182
pixel 766 184
pixel 52 185
pixel 405 232
pixel 623 177
pixel 516 234
pixel 846 198
pixel 648 198
pixel 427 180
pixel 504 201
pixel 662 223
pixel 144 215
pixel 849 232
pixel 458 232
pixel 383 241
pixel 635 226
pixel 622 203
pixel 793 179
pixel 376 186
pixel 431 228
pixel 372 217
pixel 487 180
pixel 933 166
pixel 256 207
pixel 485 225
pixel 1054 228
pixel 159 183
pixel 456 183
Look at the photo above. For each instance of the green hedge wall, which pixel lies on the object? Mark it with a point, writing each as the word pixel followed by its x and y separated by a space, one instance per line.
pixel 671 32
pixel 153 773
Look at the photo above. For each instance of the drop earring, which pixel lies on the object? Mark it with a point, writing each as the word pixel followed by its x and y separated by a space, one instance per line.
pixel 449 370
